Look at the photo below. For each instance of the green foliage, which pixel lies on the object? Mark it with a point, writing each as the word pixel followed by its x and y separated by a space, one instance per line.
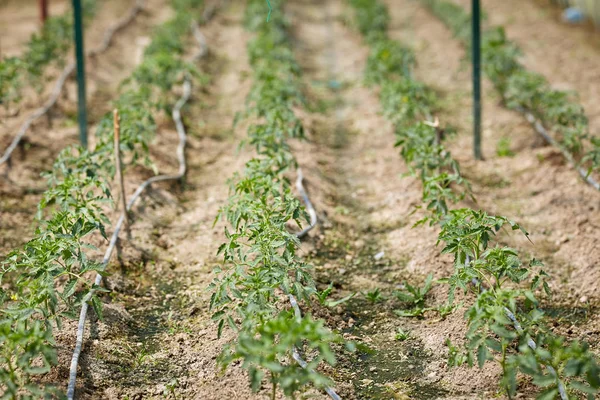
pixel 261 262
pixel 46 280
pixel 447 308
pixel 453 15
pixel 456 357
pixel 402 335
pixel 270 349
pixel 504 286
pixel 324 294
pixel 414 296
pixel 25 351
pixel 10 83
pixel 374 296
pixel 522 89
pixel 439 172
pixel 372 19
pixel 405 100
pixel 387 60
pixel 45 48
pixel 503 148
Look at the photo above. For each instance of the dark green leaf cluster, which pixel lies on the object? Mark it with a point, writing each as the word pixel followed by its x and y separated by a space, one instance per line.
pixel 457 20
pixel 261 351
pixel 504 285
pixel 48 46
pixel 389 61
pixel 414 296
pixel 497 276
pixel 261 262
pixel 372 19
pixel 47 279
pixel 523 89
pixel 405 101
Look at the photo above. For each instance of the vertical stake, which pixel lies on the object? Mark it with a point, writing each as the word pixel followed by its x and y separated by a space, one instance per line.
pixel 476 48
pixel 79 56
pixel 117 141
pixel 43 11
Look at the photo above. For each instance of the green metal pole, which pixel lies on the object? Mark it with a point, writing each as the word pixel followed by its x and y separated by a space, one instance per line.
pixel 476 48
pixel 79 56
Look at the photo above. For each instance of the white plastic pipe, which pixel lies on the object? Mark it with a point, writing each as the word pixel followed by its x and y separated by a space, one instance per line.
pixel 113 240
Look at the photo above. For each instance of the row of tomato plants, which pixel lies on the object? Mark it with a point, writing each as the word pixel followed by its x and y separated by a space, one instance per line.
pixel 45 280
pixel 261 267
pixel 46 48
pixel 505 323
pixel 522 89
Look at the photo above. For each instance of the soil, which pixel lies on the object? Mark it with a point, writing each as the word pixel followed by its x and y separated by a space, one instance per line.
pixel 20 182
pixel 19 19
pixel 552 49
pixel 157 339
pixel 535 186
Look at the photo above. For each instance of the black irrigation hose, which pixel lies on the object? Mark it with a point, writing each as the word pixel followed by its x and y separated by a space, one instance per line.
pixel 533 346
pixel 296 355
pixel 203 50
pixel 66 72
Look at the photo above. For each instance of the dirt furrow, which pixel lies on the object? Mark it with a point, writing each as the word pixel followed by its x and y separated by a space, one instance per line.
pixel 157 339
pixel 521 177
pixel 21 184
pixel 566 55
pixel 365 242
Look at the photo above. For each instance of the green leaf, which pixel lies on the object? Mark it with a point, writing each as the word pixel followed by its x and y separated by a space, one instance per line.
pixel 549 394
pixel 482 355
pixel 97 306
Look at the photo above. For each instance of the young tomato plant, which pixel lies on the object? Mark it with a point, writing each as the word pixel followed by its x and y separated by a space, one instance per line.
pixel 522 89
pixel 46 280
pixel 504 316
pixel 261 267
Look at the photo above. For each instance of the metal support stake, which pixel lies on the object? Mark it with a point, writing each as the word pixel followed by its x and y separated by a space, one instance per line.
pixel 80 57
pixel 476 48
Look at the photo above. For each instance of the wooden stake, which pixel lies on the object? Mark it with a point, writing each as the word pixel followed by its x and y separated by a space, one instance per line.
pixel 43 11
pixel 117 134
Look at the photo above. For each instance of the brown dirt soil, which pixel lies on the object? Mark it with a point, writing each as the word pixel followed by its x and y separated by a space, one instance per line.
pixel 19 19
pixel 566 57
pixel 535 186
pixel 157 339
pixel 21 185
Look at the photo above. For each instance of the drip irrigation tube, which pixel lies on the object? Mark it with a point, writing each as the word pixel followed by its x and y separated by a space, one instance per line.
pixel 201 39
pixel 66 72
pixel 113 240
pixel 296 355
pixel 293 301
pixel 309 206
pixel 530 342
pixel 533 346
pixel 544 133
